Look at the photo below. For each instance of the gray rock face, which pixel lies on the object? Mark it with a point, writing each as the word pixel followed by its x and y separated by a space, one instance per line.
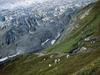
pixel 34 28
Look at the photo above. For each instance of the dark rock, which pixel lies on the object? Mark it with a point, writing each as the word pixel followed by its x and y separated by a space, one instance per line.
pixel 2 18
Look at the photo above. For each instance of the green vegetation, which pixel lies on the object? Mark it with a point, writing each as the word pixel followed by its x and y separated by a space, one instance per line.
pixel 74 65
pixel 79 64
pixel 86 27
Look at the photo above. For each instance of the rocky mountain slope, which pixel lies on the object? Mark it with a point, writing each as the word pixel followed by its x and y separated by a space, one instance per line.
pixel 34 27
pixel 77 52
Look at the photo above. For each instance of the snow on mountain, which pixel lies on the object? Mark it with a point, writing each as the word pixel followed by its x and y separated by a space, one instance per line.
pixel 11 4
pixel 32 25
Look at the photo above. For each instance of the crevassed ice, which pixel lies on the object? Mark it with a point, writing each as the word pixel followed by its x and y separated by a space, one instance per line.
pixel 15 3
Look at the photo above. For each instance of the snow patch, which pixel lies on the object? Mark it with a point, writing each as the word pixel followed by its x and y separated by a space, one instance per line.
pixel 3 59
pixel 13 55
pixel 45 42
pixel 58 35
pixel 53 41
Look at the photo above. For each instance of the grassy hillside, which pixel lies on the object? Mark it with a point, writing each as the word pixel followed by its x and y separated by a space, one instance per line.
pixel 87 25
pixel 82 28
pixel 81 64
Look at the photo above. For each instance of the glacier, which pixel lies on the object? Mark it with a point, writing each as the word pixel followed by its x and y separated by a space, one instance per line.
pixel 32 25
